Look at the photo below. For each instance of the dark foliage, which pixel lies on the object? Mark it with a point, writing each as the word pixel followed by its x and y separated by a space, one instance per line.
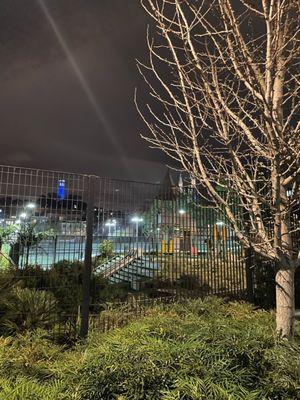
pixel 198 350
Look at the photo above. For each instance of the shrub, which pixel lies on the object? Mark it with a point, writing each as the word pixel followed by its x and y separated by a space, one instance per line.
pixel 64 280
pixel 29 354
pixel 25 367
pixel 203 350
pixel 29 389
pixel 61 282
pixel 64 283
pixel 206 349
pixel 28 309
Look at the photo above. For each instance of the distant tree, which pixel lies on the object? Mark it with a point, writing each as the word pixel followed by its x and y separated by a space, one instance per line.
pixel 106 249
pixel 226 74
pixel 5 234
pixel 23 239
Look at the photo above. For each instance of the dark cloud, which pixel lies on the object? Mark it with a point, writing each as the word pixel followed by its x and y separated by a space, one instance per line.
pixel 48 117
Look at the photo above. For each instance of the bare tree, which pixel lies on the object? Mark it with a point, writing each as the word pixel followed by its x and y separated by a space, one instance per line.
pixel 227 76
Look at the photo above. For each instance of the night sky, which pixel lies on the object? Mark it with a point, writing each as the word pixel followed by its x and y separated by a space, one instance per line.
pixel 68 75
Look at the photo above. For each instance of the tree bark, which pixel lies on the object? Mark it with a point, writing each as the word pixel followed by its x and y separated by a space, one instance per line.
pixel 285 303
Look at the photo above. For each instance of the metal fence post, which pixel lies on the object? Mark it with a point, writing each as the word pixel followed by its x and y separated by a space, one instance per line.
pixel 249 261
pixel 249 275
pixel 84 326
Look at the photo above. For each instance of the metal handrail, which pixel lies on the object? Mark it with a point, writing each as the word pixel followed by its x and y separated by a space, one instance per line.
pixel 127 259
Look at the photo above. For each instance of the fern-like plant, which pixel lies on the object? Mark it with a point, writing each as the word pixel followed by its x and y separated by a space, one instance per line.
pixel 29 309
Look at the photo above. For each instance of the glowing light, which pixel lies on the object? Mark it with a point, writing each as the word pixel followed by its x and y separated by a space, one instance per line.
pixel 220 223
pixel 111 223
pixel 137 219
pixel 23 215
pixel 30 205
pixel 181 211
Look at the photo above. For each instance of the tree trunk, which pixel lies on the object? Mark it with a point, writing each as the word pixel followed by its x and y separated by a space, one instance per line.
pixel 285 302
pixel 14 253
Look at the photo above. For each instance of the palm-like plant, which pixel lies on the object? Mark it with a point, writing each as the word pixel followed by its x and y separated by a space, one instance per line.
pixel 29 309
pixel 25 237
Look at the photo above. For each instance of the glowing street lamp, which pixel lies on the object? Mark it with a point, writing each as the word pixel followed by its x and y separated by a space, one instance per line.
pixel 137 220
pixel 181 211
pixel 31 206
pixel 110 223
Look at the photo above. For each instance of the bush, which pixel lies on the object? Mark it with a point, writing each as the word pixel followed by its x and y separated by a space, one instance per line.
pixel 199 350
pixel 28 309
pixel 204 350
pixel 64 281
pixel 25 367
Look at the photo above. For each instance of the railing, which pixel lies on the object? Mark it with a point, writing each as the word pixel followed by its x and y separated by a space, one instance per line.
pixel 127 259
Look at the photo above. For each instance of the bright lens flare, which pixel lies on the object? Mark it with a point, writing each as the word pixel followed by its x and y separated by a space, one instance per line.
pixel 83 82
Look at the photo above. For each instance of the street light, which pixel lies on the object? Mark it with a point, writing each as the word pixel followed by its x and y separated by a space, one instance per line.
pixel 23 215
pixel 31 206
pixel 181 211
pixel 110 223
pixel 137 219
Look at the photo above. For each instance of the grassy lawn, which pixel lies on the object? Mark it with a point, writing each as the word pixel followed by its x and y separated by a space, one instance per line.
pixel 207 350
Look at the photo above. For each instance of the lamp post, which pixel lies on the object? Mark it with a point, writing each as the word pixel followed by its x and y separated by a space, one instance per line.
pixel 30 209
pixel 137 220
pixel 110 223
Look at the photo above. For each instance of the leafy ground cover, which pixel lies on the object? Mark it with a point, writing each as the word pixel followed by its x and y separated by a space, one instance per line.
pixel 203 349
